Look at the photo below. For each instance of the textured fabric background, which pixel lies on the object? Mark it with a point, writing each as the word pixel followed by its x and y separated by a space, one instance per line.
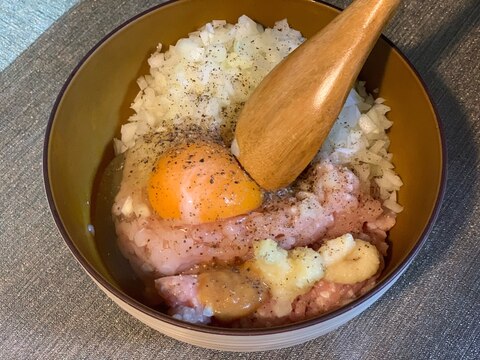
pixel 21 22
pixel 50 309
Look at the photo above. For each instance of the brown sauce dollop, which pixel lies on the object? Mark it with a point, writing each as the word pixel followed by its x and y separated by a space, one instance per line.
pixel 230 293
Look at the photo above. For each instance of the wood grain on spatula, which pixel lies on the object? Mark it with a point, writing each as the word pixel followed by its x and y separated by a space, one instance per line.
pixel 289 115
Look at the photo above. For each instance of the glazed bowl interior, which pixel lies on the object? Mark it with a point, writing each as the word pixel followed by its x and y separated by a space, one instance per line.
pixel 96 99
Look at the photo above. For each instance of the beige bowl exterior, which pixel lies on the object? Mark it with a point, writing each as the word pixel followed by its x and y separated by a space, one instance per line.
pixel 246 343
pixel 95 101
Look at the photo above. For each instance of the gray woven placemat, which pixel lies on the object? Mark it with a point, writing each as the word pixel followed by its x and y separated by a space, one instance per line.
pixel 21 22
pixel 49 309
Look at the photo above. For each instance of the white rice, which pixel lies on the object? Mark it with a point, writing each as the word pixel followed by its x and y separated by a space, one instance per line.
pixel 206 78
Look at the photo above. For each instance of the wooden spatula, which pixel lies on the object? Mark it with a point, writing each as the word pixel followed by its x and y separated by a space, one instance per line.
pixel 289 115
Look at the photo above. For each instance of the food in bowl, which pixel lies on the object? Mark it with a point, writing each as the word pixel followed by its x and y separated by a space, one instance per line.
pixel 206 240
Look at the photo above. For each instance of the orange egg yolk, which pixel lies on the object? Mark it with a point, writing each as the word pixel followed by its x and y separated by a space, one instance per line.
pixel 201 182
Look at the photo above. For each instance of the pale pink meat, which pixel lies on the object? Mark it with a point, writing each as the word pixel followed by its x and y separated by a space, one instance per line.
pixel 326 204
pixel 180 294
pixel 325 296
pixel 180 290
pixel 376 231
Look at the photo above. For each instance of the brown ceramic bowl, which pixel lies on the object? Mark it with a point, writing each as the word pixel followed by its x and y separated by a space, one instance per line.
pixel 95 101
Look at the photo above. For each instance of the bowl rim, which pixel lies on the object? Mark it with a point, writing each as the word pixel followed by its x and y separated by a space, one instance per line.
pixel 379 287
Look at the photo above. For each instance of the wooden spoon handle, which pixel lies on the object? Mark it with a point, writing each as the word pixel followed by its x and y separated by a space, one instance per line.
pixel 290 114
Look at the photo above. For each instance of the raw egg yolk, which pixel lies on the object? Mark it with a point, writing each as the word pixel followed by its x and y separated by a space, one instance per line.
pixel 201 182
